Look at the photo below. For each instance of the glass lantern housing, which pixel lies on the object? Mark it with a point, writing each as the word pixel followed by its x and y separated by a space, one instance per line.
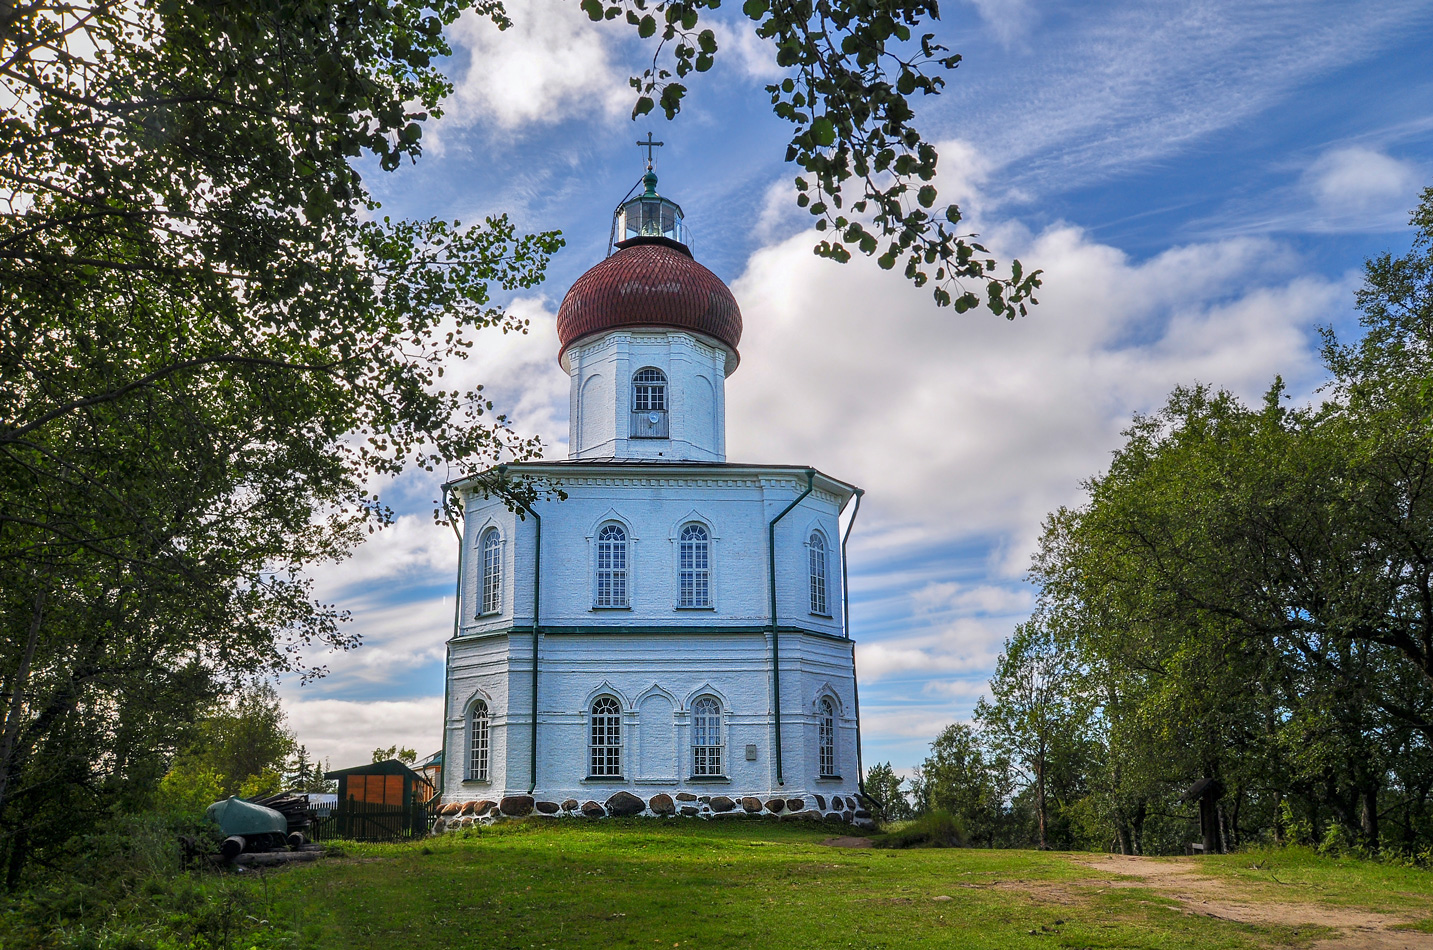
pixel 649 215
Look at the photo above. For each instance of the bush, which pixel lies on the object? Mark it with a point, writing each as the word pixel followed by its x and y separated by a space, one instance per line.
pixel 934 829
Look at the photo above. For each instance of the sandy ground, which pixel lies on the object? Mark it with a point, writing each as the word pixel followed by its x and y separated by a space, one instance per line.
pixel 1181 880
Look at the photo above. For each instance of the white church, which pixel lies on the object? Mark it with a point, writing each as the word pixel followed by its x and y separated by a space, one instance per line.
pixel 662 631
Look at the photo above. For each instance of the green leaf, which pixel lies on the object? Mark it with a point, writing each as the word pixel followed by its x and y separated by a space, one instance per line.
pixel 823 133
pixel 648 26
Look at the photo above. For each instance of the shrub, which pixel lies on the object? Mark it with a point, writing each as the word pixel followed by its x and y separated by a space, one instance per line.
pixel 934 829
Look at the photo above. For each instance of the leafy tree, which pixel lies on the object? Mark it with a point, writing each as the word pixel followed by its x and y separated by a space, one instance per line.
pixel 884 785
pixel 303 775
pixel 962 778
pixel 245 743
pixel 213 341
pixel 406 756
pixel 1039 713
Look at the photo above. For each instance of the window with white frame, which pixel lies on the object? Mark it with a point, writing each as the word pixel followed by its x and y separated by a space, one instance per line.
pixel 606 737
pixel 611 566
pixel 706 737
pixel 478 742
pixel 816 549
pixel 826 739
pixel 492 571
pixel 694 587
pixel 649 391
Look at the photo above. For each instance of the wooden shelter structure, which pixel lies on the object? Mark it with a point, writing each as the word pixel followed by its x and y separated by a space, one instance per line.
pixel 380 801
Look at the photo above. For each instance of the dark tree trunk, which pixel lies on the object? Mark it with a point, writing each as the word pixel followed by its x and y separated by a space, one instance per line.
pixel 1040 803
pixel 1368 815
pixel 1140 810
pixel 1209 820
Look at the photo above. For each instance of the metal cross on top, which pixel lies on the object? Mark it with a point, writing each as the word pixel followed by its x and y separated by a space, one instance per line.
pixel 649 145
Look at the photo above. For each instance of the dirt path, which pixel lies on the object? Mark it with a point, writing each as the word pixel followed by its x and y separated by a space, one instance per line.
pixel 1181 880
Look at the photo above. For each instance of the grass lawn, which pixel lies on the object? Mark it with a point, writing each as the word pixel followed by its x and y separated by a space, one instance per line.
pixel 688 884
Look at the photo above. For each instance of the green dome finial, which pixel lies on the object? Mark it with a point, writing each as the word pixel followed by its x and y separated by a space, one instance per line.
pixel 650 180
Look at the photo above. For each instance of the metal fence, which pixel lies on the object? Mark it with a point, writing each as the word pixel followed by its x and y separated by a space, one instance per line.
pixel 368 821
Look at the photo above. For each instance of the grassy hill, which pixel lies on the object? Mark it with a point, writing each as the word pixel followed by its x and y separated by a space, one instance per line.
pixel 686 884
pixel 736 884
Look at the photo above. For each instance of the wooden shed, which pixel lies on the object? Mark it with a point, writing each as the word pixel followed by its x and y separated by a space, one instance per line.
pixel 381 800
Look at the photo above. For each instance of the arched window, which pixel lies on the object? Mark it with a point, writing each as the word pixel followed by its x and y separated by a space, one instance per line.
pixel 478 742
pixel 649 391
pixel 606 746
pixel 826 739
pixel 816 550
pixel 706 737
pixel 612 566
pixel 694 587
pixel 492 571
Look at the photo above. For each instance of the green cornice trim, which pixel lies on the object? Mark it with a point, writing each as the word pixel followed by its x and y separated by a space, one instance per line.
pixel 649 631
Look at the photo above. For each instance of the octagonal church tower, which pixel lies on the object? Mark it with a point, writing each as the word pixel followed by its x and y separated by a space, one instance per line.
pixel 661 631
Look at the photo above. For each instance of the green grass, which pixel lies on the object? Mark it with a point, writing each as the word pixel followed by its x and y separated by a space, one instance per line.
pixel 687 884
pixel 1300 874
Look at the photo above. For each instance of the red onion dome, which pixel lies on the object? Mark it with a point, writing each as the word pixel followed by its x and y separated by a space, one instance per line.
pixel 649 282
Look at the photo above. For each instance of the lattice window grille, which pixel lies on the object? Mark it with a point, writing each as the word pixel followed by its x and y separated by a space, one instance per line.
pixel 492 572
pixel 827 739
pixel 706 737
pixel 606 746
pixel 694 569
pixel 649 391
pixel 612 566
pixel 478 742
pixel 817 553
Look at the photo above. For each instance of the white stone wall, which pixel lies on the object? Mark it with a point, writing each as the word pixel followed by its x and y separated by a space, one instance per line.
pixel 656 678
pixel 601 401
pixel 655 658
pixel 653 503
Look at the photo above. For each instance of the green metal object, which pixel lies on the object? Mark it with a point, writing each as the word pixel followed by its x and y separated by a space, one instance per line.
pixel 234 816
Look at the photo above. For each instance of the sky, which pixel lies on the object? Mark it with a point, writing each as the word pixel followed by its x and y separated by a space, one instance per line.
pixel 1200 184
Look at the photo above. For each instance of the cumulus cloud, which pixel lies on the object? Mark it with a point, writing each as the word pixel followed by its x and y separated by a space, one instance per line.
pixel 552 64
pixel 1360 183
pixel 966 426
pixel 344 733
pixel 968 645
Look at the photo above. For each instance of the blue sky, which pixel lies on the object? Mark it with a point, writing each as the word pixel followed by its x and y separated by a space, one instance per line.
pixel 1201 185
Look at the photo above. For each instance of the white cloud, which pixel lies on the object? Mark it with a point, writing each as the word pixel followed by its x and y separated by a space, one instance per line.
pixel 519 372
pixel 344 733
pixel 552 64
pixel 968 426
pixel 1092 95
pixel 1360 182
pixel 1007 19
pixel 966 645
pixel 940 596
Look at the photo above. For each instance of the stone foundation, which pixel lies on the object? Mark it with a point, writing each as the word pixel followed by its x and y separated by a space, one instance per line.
pixel 455 815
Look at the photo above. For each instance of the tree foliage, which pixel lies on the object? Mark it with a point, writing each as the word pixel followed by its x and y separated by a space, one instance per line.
pixel 1250 591
pixel 213 341
pixel 892 801
pixel 852 67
